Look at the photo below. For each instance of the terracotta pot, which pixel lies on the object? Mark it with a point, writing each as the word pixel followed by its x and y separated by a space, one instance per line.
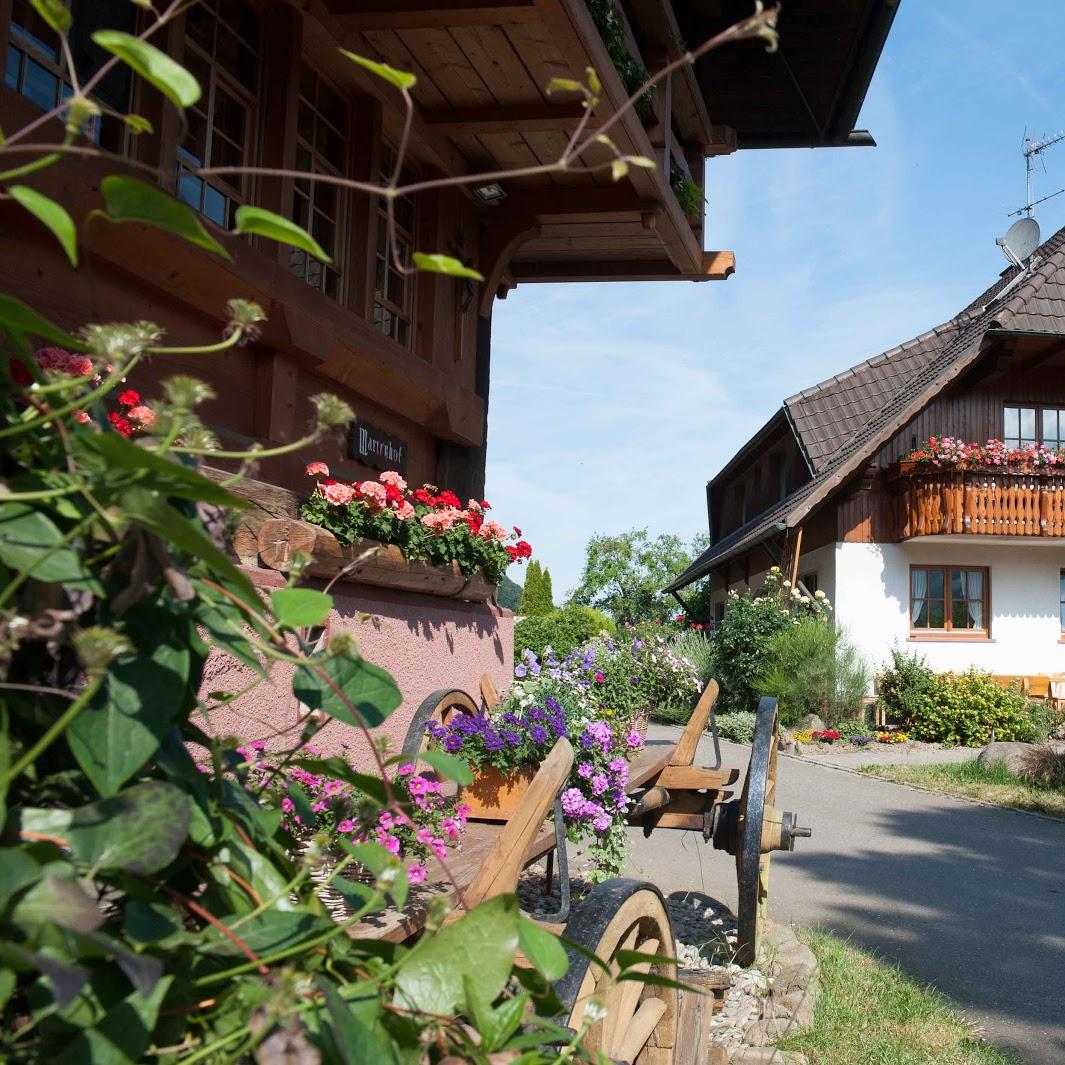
pixel 494 794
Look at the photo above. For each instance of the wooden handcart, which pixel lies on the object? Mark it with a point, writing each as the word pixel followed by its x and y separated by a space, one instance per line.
pixel 668 791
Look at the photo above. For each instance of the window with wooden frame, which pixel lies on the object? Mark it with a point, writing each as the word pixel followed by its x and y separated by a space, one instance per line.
pixel 950 600
pixel 319 207
pixel 393 303
pixel 1024 425
pixel 34 67
pixel 222 52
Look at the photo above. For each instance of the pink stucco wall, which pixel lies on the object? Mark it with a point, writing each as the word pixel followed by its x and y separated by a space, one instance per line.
pixel 425 642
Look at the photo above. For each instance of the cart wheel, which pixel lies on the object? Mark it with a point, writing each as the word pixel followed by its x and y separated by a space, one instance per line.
pixel 641 1019
pixel 752 866
pixel 438 706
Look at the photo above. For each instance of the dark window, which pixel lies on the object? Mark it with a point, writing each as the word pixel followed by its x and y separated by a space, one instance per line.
pixel 221 51
pixel 1061 597
pixel 35 68
pixel 320 208
pixel 809 582
pixel 949 599
pixel 1022 426
pixel 393 305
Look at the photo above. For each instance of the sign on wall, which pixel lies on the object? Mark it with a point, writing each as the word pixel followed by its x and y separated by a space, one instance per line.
pixel 380 450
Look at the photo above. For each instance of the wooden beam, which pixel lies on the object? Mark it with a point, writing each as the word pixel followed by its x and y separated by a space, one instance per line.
pixel 431 14
pixel 588 202
pixel 722 142
pixel 497 247
pixel 533 118
pixel 718 265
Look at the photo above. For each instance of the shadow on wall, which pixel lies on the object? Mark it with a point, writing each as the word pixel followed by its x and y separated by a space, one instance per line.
pixel 976 907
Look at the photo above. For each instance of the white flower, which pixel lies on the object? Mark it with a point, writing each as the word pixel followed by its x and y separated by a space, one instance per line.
pixel 819 594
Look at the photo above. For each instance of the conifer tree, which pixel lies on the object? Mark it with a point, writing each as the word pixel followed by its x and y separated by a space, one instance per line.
pixel 527 606
pixel 547 593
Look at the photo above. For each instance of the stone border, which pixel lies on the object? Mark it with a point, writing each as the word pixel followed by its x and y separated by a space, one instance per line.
pixel 789 1007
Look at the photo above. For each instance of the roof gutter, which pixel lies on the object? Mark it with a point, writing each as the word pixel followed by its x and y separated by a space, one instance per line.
pixel 698 570
pixel 845 112
pixel 856 138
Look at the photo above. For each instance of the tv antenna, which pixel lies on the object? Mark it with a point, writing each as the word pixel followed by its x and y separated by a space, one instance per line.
pixel 1033 148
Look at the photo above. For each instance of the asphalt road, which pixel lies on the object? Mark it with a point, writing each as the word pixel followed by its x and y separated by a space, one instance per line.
pixel 966 897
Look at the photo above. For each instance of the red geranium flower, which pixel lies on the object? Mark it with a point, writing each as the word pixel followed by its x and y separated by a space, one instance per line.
pixel 122 425
pixel 447 499
pixel 129 398
pixel 19 374
pixel 423 495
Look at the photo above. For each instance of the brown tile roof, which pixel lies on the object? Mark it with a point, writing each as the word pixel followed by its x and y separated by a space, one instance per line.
pixel 841 422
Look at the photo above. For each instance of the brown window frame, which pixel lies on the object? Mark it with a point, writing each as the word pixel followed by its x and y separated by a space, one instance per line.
pixel 236 190
pixel 301 263
pixel 1039 409
pixel 386 311
pixel 948 632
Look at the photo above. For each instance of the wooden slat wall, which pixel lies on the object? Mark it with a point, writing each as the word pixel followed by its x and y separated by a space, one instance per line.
pixel 974 411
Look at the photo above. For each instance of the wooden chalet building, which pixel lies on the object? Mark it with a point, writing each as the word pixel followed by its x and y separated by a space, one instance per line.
pixel 966 565
pixel 410 354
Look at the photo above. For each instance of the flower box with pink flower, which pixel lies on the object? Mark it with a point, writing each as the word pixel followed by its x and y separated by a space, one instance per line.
pixel 383 533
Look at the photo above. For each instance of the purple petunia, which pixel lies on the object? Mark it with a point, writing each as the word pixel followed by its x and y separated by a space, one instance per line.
pixel 520 670
pixel 599 783
pixel 539 734
pixel 585 770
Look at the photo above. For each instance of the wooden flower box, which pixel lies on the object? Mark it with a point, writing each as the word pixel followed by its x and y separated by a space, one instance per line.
pixel 279 540
pixel 494 794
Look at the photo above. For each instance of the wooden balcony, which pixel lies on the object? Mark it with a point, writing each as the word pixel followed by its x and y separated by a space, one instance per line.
pixel 977 503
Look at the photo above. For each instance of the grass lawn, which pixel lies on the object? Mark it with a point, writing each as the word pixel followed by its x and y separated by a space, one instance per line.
pixel 968 780
pixel 869 1013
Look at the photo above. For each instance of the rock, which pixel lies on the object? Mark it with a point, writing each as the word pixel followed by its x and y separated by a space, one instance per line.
pixel 764 1056
pixel 1009 754
pixel 770 1031
pixel 811 723
pixel 798 1004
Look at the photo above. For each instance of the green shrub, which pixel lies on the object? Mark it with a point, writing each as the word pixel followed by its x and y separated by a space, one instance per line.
pixel 964 708
pixel 696 648
pixel 852 726
pixel 738 726
pixel 562 630
pixel 814 669
pixel 905 684
pixel 536 596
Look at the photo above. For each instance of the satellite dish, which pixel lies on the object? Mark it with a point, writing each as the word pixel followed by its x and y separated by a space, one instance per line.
pixel 1020 241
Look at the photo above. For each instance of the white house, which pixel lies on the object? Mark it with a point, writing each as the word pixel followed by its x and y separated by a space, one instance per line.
pixel 962 560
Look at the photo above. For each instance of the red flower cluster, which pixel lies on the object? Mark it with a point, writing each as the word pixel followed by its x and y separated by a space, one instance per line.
pixel 519 551
pixel 136 416
pixel 828 735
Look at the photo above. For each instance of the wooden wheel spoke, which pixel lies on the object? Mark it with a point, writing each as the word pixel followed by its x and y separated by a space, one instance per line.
pixel 642 1025
pixel 630 995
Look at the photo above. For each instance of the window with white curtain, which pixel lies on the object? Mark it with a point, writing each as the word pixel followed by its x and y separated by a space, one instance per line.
pixel 950 599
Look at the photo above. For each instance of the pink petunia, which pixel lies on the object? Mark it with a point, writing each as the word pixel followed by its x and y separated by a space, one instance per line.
pixel 416 874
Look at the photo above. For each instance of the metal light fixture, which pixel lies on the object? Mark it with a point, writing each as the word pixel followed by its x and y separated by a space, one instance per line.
pixel 491 193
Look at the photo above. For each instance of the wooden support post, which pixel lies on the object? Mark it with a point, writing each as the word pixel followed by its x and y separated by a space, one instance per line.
pixel 794 576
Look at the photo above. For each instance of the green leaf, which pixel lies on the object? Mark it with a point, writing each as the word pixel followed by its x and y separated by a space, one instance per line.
pixel 444 264
pixel 274 227
pixel 130 200
pixel 29 543
pixel 618 169
pixel 388 869
pixel 122 1035
pixel 132 712
pixel 50 214
pixel 300 608
pixel 137 124
pixel 54 900
pixel 268 932
pixel 109 452
pixel 18 869
pixel 367 687
pixel 139 830
pixel 366 783
pixel 479 949
pixel 543 949
pixel 154 513
pixel 400 78
pixel 302 805
pixel 224 625
pixel 26 322
pixel 495 1026
pixel 356 1039
pixel 156 67
pixel 447 765
pixel 54 12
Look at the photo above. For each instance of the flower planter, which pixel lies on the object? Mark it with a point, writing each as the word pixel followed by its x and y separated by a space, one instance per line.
pixel 494 794
pixel 366 562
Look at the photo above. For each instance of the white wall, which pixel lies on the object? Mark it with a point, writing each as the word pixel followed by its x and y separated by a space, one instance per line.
pixel 872 601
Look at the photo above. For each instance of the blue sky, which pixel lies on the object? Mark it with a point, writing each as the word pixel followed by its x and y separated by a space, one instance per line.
pixel 613 404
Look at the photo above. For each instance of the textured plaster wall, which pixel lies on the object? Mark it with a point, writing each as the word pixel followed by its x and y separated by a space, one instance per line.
pixel 425 642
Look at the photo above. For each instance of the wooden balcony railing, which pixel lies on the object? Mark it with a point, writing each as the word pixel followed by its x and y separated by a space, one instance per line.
pixel 981 504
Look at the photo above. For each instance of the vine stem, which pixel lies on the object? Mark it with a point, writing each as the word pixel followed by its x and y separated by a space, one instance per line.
pixel 60 725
